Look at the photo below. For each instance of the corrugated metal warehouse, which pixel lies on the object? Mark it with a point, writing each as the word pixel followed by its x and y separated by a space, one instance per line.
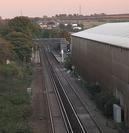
pixel 101 54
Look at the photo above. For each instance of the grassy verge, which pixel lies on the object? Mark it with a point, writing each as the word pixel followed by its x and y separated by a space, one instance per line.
pixel 14 100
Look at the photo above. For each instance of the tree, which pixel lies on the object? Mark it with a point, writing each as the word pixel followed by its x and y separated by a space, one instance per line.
pixel 19 31
pixel 69 27
pixel 54 33
pixel 4 28
pixel 5 51
pixel 36 30
pixel 45 33
pixel 62 26
pixel 24 25
pixel 65 34
pixel 22 45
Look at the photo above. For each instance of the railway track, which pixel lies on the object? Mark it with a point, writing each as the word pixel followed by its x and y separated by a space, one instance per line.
pixel 75 115
pixel 70 118
pixel 57 121
pixel 86 119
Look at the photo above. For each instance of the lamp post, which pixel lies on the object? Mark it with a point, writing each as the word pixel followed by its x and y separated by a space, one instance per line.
pixel 62 55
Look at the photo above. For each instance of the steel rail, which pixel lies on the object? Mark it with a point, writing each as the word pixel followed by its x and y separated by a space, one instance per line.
pixel 80 99
pixel 61 106
pixel 76 124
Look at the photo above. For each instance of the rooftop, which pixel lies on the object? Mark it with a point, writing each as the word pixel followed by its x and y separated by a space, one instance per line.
pixel 116 34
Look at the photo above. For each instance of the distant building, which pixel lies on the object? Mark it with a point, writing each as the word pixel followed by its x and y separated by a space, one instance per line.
pixel 101 55
pixel 74 25
pixel 66 24
pixel 77 28
pixel 48 24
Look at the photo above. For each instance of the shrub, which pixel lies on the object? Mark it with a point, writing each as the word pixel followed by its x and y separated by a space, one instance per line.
pixel 105 102
pixel 28 69
pixel 18 99
pixel 68 62
pixel 14 100
pixel 108 107
pixel 94 89
pixel 15 71
pixel 102 98
pixel 11 70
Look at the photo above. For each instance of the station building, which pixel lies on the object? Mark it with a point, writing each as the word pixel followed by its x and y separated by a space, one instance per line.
pixel 101 54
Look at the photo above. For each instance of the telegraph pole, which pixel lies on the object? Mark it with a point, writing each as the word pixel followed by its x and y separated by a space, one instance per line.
pixel 80 9
pixel 21 13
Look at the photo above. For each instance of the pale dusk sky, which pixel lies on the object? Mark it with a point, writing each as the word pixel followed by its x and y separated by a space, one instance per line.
pixel 39 8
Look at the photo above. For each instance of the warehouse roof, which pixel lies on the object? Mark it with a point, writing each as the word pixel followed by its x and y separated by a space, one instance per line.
pixel 112 33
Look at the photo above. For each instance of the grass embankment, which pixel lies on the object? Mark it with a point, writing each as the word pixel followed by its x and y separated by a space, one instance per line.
pixel 14 100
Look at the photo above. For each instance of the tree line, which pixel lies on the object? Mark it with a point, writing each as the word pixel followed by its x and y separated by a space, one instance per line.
pixel 16 37
pixel 16 42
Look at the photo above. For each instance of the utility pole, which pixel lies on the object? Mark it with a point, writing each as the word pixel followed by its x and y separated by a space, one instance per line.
pixel 21 13
pixel 80 9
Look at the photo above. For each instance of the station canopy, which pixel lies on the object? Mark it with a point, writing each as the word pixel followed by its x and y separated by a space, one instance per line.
pixel 116 34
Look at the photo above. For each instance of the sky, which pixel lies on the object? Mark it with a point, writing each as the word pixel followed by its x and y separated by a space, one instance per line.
pixel 39 8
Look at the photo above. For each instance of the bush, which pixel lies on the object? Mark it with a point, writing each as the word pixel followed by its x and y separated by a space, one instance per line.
pixel 14 127
pixel 11 70
pixel 108 107
pixel 102 98
pixel 14 106
pixel 14 100
pixel 94 89
pixel 76 72
pixel 18 99
pixel 105 102
pixel 68 62
pixel 28 70
pixel 15 71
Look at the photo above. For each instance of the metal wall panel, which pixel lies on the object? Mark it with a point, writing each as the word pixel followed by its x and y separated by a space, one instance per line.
pixel 103 63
